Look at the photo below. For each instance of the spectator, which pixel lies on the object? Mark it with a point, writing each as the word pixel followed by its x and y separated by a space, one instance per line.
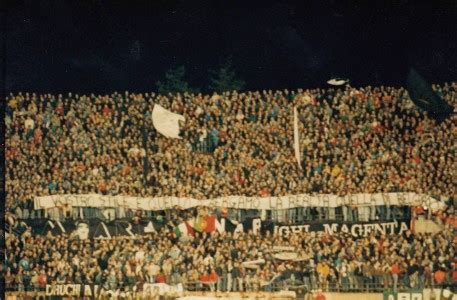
pixel 161 278
pixel 323 272
pixel 42 280
pixel 439 277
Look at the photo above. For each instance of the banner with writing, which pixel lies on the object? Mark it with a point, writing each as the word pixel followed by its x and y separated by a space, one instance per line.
pixel 96 291
pixel 356 229
pixel 425 294
pixel 99 229
pixel 240 202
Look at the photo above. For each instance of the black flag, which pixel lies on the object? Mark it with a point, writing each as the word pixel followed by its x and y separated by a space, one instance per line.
pixel 423 96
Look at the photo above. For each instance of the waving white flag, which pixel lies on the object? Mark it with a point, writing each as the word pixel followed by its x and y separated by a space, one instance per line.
pixel 166 122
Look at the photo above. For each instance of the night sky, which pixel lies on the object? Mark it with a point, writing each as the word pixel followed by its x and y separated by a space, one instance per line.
pixel 97 46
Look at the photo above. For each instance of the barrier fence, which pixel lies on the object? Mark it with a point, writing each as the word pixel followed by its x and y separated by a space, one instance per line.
pixel 357 284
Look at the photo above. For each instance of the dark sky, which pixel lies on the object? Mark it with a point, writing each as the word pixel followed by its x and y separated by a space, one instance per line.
pixel 97 46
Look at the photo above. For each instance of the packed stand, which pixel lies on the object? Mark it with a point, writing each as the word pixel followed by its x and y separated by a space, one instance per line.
pixel 371 139
pixel 241 261
pixel 353 140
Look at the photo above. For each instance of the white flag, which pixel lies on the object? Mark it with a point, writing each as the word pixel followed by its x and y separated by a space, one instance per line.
pixel 296 139
pixel 337 81
pixel 166 122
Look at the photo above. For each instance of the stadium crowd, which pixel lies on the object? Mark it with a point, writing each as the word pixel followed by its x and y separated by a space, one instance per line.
pixel 364 140
pixel 370 139
pixel 240 261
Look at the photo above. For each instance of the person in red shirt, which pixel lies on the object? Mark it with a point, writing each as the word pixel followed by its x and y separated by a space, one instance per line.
pixel 395 270
pixel 452 221
pixel 419 210
pixel 439 276
pixel 161 278
pixel 106 110
pixel 320 296
pixel 454 273
pixel 209 278
pixel 213 277
pixel 42 280
pixel 204 278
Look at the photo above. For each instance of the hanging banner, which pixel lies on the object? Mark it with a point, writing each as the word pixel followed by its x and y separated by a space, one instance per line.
pixel 356 229
pixel 238 202
pixel 425 294
pixel 96 291
pixel 99 229
pixel 72 290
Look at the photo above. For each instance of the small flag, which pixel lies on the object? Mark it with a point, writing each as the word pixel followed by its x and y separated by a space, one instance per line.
pixel 337 81
pixel 184 229
pixel 166 122
pixel 205 224
pixel 210 222
pixel 190 230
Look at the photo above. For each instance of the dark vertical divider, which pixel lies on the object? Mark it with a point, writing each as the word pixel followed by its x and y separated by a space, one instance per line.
pixel 3 34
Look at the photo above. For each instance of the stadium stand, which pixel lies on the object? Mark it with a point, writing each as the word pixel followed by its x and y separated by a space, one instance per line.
pixel 353 140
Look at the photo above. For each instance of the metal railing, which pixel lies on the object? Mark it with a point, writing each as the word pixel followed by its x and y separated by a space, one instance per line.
pixel 356 284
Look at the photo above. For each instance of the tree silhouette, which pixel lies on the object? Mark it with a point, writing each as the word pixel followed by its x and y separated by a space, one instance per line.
pixel 225 79
pixel 175 82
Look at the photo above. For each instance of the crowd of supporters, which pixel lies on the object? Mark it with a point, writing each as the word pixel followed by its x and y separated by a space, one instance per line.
pixel 363 140
pixel 241 261
pixel 370 139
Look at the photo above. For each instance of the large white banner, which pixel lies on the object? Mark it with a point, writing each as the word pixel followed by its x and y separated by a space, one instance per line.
pixel 240 202
pixel 166 122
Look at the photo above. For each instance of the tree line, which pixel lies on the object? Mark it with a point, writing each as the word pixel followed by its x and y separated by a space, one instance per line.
pixel 220 80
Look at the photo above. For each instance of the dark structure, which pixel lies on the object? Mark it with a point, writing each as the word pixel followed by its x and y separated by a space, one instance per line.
pixel 424 97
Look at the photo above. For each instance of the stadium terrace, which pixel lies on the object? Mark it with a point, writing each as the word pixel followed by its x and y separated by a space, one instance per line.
pixel 98 195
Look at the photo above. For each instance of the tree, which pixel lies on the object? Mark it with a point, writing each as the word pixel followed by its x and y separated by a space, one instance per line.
pixel 225 79
pixel 175 82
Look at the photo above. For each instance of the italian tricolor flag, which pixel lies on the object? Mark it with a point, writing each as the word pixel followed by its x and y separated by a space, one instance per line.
pixel 184 229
